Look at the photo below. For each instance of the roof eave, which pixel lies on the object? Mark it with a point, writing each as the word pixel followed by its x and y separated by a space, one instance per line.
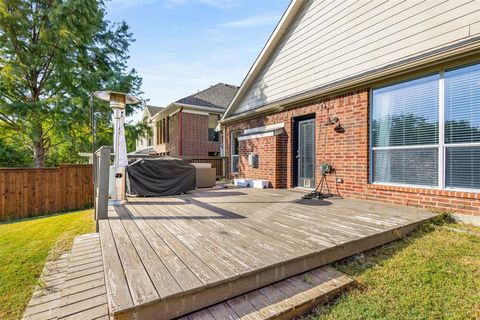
pixel 171 108
pixel 366 79
pixel 275 38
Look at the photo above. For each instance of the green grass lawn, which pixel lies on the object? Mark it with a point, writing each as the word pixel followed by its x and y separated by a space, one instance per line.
pixel 432 274
pixel 24 248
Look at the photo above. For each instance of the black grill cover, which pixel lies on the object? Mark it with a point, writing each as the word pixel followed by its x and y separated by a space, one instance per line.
pixel 160 177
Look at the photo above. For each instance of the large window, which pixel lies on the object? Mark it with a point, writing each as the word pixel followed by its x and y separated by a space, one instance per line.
pixel 426 131
pixel 235 151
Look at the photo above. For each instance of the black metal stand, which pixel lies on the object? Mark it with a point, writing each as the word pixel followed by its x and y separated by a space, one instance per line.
pixel 318 194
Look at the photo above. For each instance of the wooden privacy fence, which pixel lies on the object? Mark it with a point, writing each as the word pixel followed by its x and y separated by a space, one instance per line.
pixel 29 192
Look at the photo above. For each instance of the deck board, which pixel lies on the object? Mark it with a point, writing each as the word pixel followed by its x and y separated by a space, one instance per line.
pixel 300 294
pixel 172 255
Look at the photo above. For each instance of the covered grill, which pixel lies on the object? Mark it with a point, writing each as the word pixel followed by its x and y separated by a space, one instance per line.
pixel 160 177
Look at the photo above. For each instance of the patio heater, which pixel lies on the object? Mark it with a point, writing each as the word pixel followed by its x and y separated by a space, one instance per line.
pixel 117 101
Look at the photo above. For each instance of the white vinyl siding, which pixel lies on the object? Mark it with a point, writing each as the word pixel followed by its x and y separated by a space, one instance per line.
pixel 426 131
pixel 332 40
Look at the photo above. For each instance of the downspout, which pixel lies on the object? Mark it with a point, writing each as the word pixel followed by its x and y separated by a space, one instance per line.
pixel 224 152
pixel 180 133
pixel 224 140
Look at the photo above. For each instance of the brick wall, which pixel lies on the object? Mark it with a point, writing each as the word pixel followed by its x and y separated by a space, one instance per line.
pixel 170 147
pixel 347 151
pixel 195 136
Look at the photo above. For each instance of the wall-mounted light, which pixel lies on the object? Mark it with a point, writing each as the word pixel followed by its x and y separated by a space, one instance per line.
pixel 334 120
pixel 331 121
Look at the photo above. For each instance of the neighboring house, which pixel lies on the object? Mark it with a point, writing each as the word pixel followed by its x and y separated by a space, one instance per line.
pixel 144 144
pixel 187 127
pixel 403 79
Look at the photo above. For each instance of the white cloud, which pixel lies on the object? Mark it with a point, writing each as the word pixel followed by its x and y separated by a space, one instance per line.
pixel 260 20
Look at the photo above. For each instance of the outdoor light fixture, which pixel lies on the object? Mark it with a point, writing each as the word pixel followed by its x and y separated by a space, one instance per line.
pixel 117 101
pixel 331 121
pixel 334 120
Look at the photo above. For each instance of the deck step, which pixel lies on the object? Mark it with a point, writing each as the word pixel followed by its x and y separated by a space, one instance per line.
pixel 84 294
pixel 45 301
pixel 72 286
pixel 282 300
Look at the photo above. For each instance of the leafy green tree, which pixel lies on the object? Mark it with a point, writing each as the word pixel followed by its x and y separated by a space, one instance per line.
pixel 13 154
pixel 53 54
pixel 135 131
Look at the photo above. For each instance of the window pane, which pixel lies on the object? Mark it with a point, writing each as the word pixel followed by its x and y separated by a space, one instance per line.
pixel 463 167
pixel 462 105
pixel 235 142
pixel 406 166
pixel 234 163
pixel 213 135
pixel 406 113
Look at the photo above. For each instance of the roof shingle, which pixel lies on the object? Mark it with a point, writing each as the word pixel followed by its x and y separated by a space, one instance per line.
pixel 218 96
pixel 153 110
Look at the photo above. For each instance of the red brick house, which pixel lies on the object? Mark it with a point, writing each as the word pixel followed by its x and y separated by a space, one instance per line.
pixel 388 93
pixel 186 127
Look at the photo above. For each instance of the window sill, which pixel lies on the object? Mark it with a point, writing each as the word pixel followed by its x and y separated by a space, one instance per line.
pixel 426 191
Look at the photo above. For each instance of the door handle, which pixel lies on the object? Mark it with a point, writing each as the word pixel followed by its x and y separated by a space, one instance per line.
pixel 298 154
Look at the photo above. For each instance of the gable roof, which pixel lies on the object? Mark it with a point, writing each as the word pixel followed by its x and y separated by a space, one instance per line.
pixel 153 110
pixel 218 96
pixel 320 48
pixel 281 28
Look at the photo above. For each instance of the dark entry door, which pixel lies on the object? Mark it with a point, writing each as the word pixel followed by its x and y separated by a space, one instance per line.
pixel 306 153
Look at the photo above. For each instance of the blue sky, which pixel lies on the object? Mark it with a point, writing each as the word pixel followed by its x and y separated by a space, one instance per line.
pixel 183 46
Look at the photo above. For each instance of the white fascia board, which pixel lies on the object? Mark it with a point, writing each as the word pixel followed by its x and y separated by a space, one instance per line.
pixel 260 134
pixel 363 80
pixel 202 108
pixel 168 111
pixel 270 127
pixel 177 110
pixel 256 135
pixel 193 111
pixel 173 108
pixel 265 54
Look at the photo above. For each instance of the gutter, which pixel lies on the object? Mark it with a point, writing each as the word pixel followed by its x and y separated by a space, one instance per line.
pixel 180 132
pixel 266 52
pixel 169 110
pixel 443 55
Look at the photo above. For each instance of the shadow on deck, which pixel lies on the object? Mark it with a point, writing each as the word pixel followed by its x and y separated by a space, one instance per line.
pixel 170 256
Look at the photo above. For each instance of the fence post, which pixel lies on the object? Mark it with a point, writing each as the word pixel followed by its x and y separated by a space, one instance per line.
pixel 102 173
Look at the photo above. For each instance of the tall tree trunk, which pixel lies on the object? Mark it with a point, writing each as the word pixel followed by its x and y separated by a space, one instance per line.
pixel 39 154
pixel 38 146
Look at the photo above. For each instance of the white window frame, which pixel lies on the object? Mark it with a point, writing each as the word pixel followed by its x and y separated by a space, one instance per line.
pixel 231 152
pixel 442 146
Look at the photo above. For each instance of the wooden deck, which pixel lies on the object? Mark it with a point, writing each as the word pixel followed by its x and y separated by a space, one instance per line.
pixel 282 300
pixel 169 256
